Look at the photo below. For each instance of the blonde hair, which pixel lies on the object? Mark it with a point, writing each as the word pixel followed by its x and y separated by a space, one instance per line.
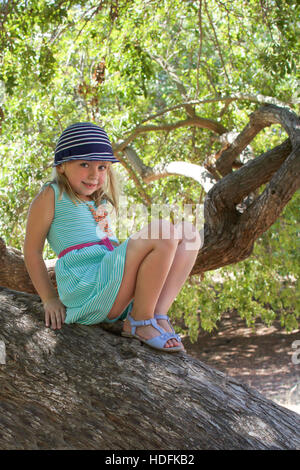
pixel 110 191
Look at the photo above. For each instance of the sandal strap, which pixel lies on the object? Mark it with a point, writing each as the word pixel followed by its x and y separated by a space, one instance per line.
pixel 135 323
pixel 159 316
pixel 160 341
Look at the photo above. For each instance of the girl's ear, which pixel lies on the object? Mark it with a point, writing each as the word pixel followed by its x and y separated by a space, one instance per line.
pixel 61 168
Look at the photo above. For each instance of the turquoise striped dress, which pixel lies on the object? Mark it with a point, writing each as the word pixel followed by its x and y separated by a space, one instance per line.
pixel 88 279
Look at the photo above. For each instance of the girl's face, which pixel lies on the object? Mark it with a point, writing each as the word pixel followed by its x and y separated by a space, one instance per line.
pixel 85 177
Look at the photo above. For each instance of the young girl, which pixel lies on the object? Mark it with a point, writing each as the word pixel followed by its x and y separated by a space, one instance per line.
pixel 98 279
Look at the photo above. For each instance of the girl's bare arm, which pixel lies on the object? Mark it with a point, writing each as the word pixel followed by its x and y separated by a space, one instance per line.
pixel 40 216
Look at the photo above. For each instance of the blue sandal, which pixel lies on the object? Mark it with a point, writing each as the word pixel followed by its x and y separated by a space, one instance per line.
pixel 158 342
pixel 158 316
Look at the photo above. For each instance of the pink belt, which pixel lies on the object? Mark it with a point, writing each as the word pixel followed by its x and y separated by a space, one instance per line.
pixel 105 241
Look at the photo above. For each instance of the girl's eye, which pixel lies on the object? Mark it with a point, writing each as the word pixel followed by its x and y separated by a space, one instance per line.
pixel 100 167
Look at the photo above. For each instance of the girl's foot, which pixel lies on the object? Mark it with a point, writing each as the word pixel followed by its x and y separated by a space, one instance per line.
pixel 148 332
pixel 166 326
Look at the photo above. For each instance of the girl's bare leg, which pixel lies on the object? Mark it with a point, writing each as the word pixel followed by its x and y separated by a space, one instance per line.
pixel 147 265
pixel 183 262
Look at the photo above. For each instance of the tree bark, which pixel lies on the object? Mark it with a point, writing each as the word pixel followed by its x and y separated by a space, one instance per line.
pixel 13 272
pixel 261 118
pixel 82 387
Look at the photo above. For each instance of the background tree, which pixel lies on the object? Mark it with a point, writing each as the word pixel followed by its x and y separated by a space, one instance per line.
pixel 199 99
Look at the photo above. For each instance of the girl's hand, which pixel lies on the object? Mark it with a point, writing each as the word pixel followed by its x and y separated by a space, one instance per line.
pixel 55 313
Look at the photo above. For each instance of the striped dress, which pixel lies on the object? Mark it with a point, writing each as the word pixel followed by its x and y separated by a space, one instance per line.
pixel 88 279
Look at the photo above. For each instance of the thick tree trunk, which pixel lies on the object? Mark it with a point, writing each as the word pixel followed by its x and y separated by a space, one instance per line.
pixel 13 272
pixel 82 387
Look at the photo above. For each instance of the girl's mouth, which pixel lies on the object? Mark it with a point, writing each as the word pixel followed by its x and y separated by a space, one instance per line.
pixel 90 185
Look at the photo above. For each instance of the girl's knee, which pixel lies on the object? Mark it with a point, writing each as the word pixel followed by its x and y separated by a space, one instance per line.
pixel 163 234
pixel 159 233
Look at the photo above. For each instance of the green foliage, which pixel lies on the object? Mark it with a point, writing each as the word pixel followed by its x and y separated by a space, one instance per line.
pixel 152 49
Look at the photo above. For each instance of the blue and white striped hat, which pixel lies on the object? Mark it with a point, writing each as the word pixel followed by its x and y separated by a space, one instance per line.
pixel 83 141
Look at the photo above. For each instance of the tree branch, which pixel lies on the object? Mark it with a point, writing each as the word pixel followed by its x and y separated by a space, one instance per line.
pixel 200 45
pixel 53 383
pixel 240 183
pixel 216 40
pixel 132 174
pixel 166 66
pixel 263 117
pixel 268 206
pixel 229 235
pixel 260 99
pixel 190 122
pixel 190 170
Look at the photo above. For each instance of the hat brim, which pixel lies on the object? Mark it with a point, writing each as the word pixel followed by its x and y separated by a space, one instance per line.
pixel 110 159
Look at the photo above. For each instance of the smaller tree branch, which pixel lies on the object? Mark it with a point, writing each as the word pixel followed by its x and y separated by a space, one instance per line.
pixel 260 99
pixel 167 67
pixel 189 170
pixel 132 173
pixel 13 273
pixel 190 122
pixel 200 46
pixel 267 207
pixel 216 40
pixel 263 117
pixel 252 175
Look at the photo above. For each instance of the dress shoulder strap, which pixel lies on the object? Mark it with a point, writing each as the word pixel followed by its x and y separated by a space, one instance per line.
pixel 54 186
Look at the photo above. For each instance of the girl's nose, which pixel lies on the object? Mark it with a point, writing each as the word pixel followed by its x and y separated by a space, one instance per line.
pixel 93 171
